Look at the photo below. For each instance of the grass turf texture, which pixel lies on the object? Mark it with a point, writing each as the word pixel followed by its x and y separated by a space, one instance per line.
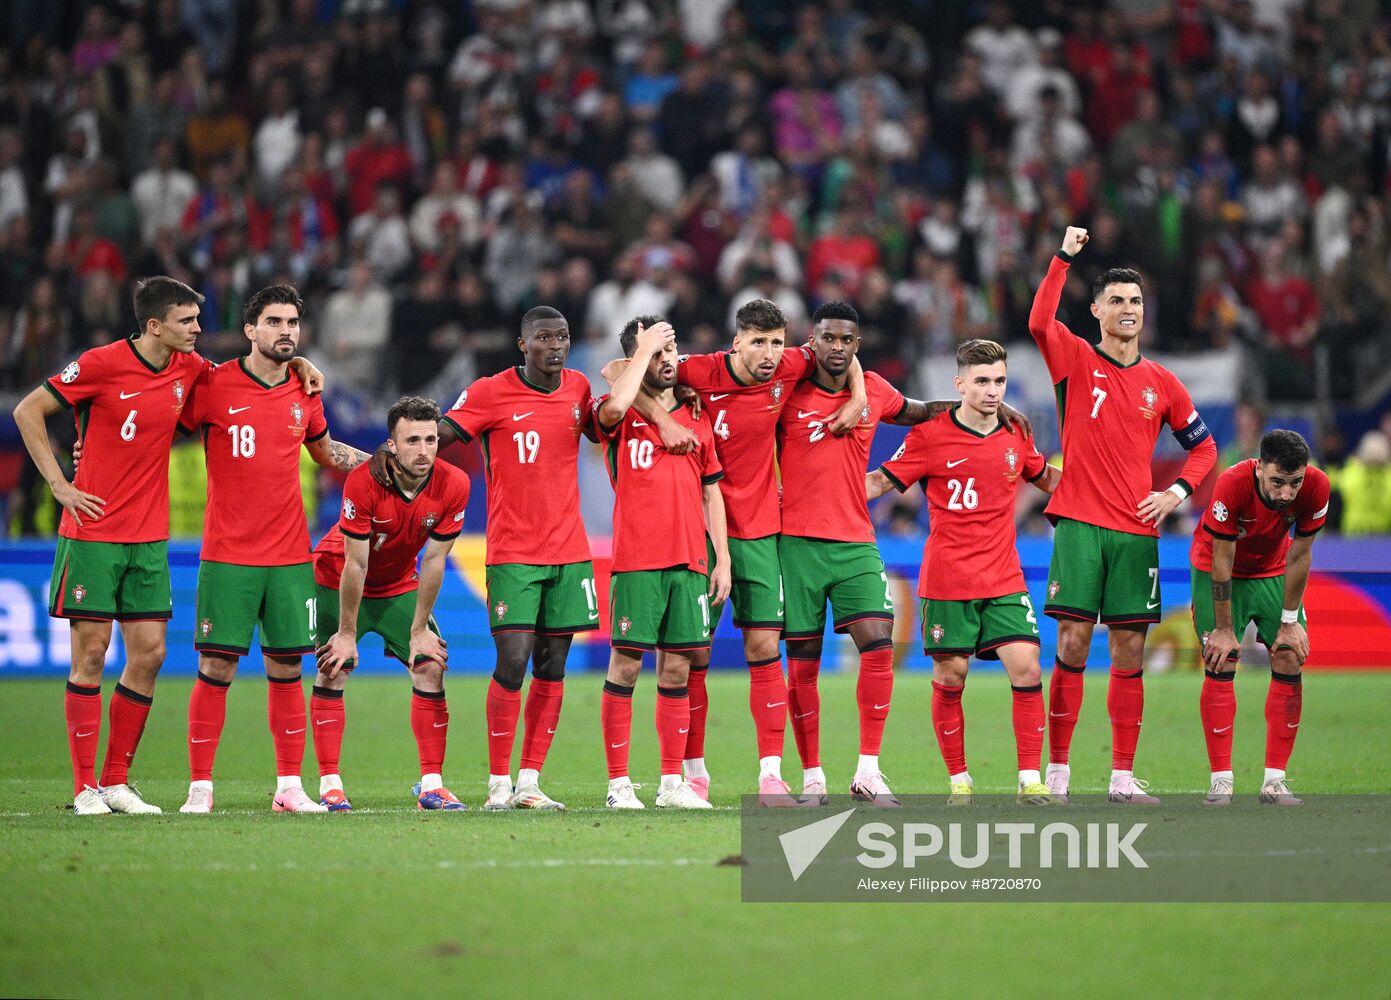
pixel 390 901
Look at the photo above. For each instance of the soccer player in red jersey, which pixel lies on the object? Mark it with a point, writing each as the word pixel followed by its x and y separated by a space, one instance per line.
pixel 828 551
pixel 974 602
pixel 1105 565
pixel 1245 569
pixel 256 557
pixel 663 587
pixel 365 575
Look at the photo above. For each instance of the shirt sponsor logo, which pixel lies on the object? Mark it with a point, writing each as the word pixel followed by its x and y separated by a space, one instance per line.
pixel 234 410
pixel 953 465
pixel 522 416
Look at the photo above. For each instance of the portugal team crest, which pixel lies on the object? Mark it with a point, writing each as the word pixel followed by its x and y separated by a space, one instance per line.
pixel 78 593
pixel 297 415
pixel 938 633
pixel 206 627
pixel 775 393
pixel 500 609
pixel 864 414
pixel 70 373
pixel 575 413
pixel 1012 459
pixel 1151 399
pixel 624 624
pixel 178 389
pixel 430 520
pixel 1053 589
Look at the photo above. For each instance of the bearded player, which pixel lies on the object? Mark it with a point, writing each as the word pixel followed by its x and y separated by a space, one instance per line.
pixel 1246 569
pixel 1105 565
pixel 366 580
pixel 974 602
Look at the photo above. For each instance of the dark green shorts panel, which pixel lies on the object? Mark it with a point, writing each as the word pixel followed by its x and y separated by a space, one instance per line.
pixel 550 600
pixel 659 609
pixel 1098 574
pixel 232 600
pixel 850 575
pixel 978 628
pixel 102 581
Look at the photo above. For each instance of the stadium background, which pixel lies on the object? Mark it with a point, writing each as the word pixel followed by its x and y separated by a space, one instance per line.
pixel 425 171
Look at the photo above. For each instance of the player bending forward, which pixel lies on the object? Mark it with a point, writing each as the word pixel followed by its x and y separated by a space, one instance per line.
pixel 1105 566
pixel 974 602
pixel 662 589
pixel 1245 569
pixel 366 581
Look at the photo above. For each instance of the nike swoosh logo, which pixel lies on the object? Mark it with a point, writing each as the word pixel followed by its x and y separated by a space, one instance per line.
pixel 806 413
pixel 720 396
pixel 594 616
pixel 381 520
pixel 948 732
pixel 1246 520
pixel 639 423
pixel 1040 729
pixel 323 722
pixel 686 730
pixel 1222 730
pixel 522 416
pixel 803 715
pixel 80 735
pixel 237 409
pixel 1292 725
pixel 440 725
pixel 130 753
pixel 1058 715
pixel 775 704
pixel 1097 373
pixel 615 746
pixel 1151 605
pixel 129 395
pixel 878 707
pixel 698 708
pixel 292 732
pixel 209 740
pixel 551 731
pixel 491 733
pixel 953 465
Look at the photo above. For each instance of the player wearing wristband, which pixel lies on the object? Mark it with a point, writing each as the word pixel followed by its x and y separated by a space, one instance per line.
pixel 1246 569
pixel 974 602
pixel 1105 565
pixel 366 581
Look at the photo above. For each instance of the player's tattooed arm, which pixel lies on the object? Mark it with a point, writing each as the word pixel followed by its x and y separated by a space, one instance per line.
pixel 876 485
pixel 1222 641
pixel 916 411
pixel 335 454
pixel 847 418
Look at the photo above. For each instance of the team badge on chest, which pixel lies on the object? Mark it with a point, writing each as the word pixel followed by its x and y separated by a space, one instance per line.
pixel 178 390
pixel 1149 400
pixel 1011 464
pixel 297 415
pixel 430 520
pixel 775 393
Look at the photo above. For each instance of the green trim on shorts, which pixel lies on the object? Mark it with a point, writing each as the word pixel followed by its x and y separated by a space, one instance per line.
pixel 1260 600
pixel 110 581
pixel 979 627
pixel 850 575
pixel 233 599
pixel 659 609
pixel 1099 574
pixel 549 600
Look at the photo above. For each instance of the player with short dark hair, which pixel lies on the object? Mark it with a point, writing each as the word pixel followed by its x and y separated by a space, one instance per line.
pixel 663 587
pixel 366 580
pixel 255 567
pixel 974 602
pixel 1105 566
pixel 1246 569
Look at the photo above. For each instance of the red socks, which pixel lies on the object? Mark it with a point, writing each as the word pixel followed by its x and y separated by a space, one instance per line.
pixel 1283 704
pixel 329 715
pixel 616 720
pixel 430 724
pixel 949 723
pixel 128 713
pixel 1028 725
pixel 543 701
pixel 82 707
pixel 1065 690
pixel 285 710
pixel 1217 708
pixel 700 714
pixel 873 692
pixel 1125 700
pixel 768 705
pixel 207 710
pixel 673 725
pixel 503 708
pixel 804 701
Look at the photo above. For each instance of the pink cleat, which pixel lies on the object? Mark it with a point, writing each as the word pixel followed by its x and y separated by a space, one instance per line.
pixel 294 800
pixel 872 788
pixel 701 786
pixel 775 793
pixel 1130 789
pixel 814 794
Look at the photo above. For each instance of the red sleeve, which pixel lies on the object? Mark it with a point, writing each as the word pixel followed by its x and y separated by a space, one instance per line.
pixel 318 426
pixel 472 413
pixel 359 502
pixel 1190 432
pixel 910 463
pixel 605 433
pixel 699 371
pixel 1057 343
pixel 80 381
pixel 1229 499
pixel 798 363
pixel 452 522
pixel 195 409
pixel 1034 463
pixel 891 400
pixel 1315 509
pixel 711 471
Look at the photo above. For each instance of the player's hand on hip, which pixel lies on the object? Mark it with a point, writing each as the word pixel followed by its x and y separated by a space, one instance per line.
pixel 338 654
pixel 1157 506
pixel 1074 240
pixel 381 464
pixel 1292 636
pixel 1218 646
pixel 719 584
pixel 425 647
pixel 77 503
pixel 1013 418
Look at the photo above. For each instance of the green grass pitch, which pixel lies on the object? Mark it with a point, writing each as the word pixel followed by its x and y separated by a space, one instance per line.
pixel 389 901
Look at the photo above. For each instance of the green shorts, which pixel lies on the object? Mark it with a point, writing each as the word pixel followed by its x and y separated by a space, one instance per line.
pixel 978 628
pixel 1098 574
pixel 848 574
pixel 1259 601
pixel 548 600
pixel 388 617
pixel 756 588
pixel 101 581
pixel 659 609
pixel 232 599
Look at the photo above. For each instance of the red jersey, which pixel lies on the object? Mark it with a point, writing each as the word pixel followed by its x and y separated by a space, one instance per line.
pixel 658 509
pixel 745 425
pixel 970 480
pixel 396 526
pixel 823 476
pixel 252 433
pixel 126 412
pixel 1110 416
pixel 531 444
pixel 1238 513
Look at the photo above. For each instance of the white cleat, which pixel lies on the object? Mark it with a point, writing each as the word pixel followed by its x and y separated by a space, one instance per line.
pixel 681 796
pixel 874 789
pixel 622 796
pixel 1057 779
pixel 1276 793
pixel 531 797
pixel 814 794
pixel 88 803
pixel 200 800
pixel 296 800
pixel 124 799
pixel 1130 790
pixel 1219 793
pixel 499 795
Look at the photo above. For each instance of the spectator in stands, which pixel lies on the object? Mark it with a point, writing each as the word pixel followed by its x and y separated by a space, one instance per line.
pixel 382 235
pixel 657 176
pixel 1364 483
pixel 162 192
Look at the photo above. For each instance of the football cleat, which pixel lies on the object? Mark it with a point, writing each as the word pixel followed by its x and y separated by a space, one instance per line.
pixel 701 786
pixel 874 789
pixel 681 796
pixel 622 796
pixel 436 798
pixel 1057 779
pixel 200 800
pixel 963 793
pixel 295 800
pixel 814 794
pixel 499 794
pixel 1276 793
pixel 1219 793
pixel 124 799
pixel 336 801
pixel 531 797
pixel 1036 793
pixel 88 802
pixel 1131 790
pixel 775 793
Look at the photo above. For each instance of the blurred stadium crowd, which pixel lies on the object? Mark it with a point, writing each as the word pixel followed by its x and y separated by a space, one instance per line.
pixel 425 171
